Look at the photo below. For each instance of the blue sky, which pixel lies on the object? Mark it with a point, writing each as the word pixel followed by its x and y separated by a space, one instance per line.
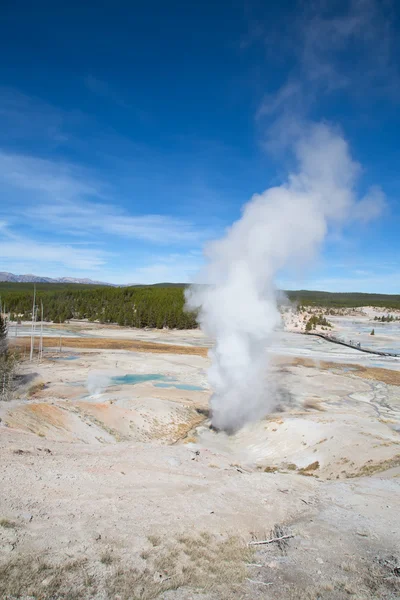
pixel 132 133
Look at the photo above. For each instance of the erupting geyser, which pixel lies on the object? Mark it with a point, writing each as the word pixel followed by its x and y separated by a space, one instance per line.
pixel 283 225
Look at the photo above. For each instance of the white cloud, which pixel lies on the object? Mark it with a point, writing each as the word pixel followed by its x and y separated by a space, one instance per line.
pixel 21 254
pixel 36 255
pixel 60 181
pixel 28 118
pixel 362 30
pixel 96 218
pixel 348 47
pixel 72 199
pixel 174 268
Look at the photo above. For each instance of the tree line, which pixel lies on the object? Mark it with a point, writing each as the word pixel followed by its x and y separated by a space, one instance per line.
pixel 154 307
pixel 157 306
pixel 343 299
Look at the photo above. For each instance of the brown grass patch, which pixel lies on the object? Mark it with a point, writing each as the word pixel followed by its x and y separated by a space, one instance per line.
pixel 371 468
pixel 388 376
pixel 107 558
pixel 313 404
pixel 182 430
pixel 309 469
pixel 114 344
pixel 7 524
pixel 154 540
pixel 195 561
pixel 31 577
pixel 36 388
pixel 201 561
pixel 377 374
pixel 190 440
pixel 291 467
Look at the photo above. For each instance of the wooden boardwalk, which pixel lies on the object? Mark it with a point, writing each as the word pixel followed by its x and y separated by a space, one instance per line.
pixel 329 338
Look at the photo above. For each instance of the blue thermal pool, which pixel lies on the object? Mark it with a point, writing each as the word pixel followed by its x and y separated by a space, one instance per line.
pixel 131 379
pixel 164 381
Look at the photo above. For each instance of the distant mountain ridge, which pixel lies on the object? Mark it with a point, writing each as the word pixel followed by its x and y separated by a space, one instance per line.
pixel 29 278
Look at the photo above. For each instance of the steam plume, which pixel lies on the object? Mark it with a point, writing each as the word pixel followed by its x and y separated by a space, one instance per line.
pixel 97 382
pixel 237 308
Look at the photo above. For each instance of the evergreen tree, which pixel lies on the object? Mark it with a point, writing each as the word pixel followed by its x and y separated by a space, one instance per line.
pixel 3 335
pixel 7 363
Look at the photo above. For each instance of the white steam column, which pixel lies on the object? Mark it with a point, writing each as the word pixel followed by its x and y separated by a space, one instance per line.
pixel 283 225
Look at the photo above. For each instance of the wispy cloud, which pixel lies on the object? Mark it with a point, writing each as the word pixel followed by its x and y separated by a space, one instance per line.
pixel 72 200
pixel 175 268
pixel 19 251
pixel 22 254
pixel 26 119
pixel 34 256
pixel 363 30
pixel 59 180
pixel 96 218
pixel 321 41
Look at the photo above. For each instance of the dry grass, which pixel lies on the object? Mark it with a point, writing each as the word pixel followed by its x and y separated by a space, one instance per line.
pixel 309 469
pixel 32 577
pixel 216 566
pixel 36 388
pixel 370 467
pixel 190 440
pixel 313 404
pixel 291 467
pixel 7 524
pixel 154 540
pixel 387 376
pixel 107 558
pixel 181 431
pixel 114 344
pixel 199 561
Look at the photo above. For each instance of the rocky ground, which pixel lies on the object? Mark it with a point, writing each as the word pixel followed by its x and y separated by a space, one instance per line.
pixel 118 488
